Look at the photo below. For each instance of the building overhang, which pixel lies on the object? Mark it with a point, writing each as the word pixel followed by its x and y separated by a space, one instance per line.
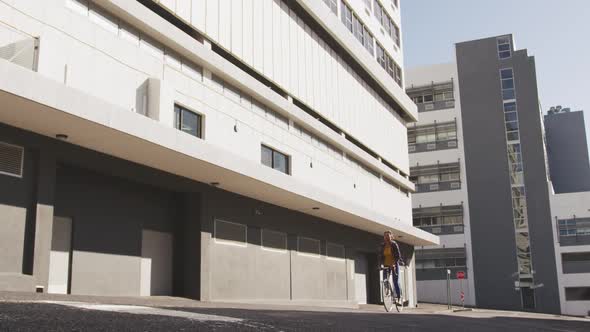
pixel 35 103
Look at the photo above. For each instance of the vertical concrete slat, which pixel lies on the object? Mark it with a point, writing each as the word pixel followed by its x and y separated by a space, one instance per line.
pixel 44 217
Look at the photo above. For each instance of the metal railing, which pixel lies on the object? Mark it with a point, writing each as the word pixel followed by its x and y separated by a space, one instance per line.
pixel 18 48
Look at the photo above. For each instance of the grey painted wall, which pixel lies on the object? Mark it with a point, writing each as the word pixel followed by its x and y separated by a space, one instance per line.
pixel 492 229
pixel 567 149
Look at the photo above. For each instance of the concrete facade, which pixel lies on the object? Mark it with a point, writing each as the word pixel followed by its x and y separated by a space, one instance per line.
pixel 143 198
pixel 567 150
pixel 431 283
pixel 564 207
pixel 496 267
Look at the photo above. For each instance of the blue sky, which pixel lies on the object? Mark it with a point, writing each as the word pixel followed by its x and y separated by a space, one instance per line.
pixel 557 33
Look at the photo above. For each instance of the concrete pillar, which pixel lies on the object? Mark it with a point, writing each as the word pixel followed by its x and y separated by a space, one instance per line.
pixel 44 218
pixel 350 286
pixel 206 242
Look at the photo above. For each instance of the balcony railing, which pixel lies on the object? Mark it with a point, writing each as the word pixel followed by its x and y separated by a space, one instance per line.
pixel 573 232
pixel 18 48
pixel 438 186
pixel 435 106
pixel 433 146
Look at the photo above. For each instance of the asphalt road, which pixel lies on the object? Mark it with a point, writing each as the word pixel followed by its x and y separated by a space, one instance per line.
pixel 42 315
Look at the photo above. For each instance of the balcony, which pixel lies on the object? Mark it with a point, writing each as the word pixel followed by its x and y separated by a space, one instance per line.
pixel 573 232
pixel 438 177
pixel 433 97
pixel 435 106
pixel 432 137
pixel 18 48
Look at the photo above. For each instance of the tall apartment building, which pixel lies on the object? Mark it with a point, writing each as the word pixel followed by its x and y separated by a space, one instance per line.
pixel 482 181
pixel 571 236
pixel 441 205
pixel 567 150
pixel 236 150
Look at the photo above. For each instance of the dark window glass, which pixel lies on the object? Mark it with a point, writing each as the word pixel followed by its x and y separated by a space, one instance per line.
pixel 187 121
pixel 428 98
pixel 510 107
pixel 508 84
pixel 504 55
pixel 513 136
pixel 230 231
pixel 511 126
pixel 266 156
pixel 577 293
pixel 510 116
pixel 275 159
pixel 508 94
pixel 506 73
pixel 504 47
pixel 280 162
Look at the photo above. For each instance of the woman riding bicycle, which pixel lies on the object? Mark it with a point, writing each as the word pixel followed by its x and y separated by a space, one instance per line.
pixel 390 258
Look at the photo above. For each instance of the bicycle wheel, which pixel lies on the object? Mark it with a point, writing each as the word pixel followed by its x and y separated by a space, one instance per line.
pixel 388 296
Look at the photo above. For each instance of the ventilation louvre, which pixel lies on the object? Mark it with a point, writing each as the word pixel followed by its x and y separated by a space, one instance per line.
pixel 11 159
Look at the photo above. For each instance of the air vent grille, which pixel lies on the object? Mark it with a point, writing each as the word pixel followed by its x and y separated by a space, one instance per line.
pixel 11 159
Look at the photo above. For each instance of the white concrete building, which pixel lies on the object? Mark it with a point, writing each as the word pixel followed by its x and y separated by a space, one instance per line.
pixel 571 232
pixel 236 150
pixel 440 206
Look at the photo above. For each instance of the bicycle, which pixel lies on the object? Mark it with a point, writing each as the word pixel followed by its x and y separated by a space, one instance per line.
pixel 388 293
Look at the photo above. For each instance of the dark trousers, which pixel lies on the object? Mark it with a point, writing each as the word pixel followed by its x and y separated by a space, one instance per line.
pixel 395 278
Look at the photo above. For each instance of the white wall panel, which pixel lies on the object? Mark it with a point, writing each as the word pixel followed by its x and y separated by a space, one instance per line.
pixel 284 46
pixel 237 28
pixel 170 4
pixel 199 14
pixel 183 9
pixel 212 19
pixel 267 36
pixel 247 33
pixel 258 34
pixel 277 35
pixel 225 23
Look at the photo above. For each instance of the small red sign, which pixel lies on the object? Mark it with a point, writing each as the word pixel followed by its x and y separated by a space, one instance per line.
pixel 460 275
pixel 462 297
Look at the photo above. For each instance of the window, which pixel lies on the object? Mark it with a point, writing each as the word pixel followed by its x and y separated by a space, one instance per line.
pixel 574 227
pixel 346 16
pixel 438 216
pixel 187 121
pixel 332 5
pixel 334 250
pixel 274 240
pixel 378 10
pixel 308 246
pixel 369 41
pixel 391 29
pixel 577 293
pixel 441 174
pixel 440 258
pixel 367 3
pixel 504 48
pixel 439 93
pixel 359 29
pixel 507 80
pixel 275 159
pixel 575 262
pixel 225 231
pixel 387 62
